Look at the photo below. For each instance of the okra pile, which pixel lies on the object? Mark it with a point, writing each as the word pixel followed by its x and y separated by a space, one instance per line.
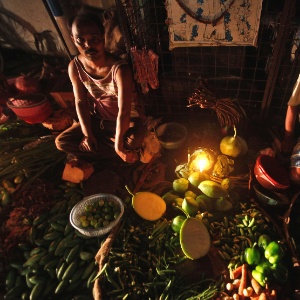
pixel 143 261
pixel 234 233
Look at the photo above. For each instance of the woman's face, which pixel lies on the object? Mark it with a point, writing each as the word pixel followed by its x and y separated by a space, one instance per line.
pixel 89 40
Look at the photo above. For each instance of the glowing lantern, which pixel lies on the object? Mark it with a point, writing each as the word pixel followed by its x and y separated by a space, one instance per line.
pixel 203 162
pixel 202 159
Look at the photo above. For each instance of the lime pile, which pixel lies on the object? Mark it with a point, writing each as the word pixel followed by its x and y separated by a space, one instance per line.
pixel 99 214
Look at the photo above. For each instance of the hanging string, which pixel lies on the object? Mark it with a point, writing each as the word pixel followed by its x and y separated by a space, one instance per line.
pixel 122 14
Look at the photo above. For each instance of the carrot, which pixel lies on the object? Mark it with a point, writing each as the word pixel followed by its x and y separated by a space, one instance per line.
pixel 243 283
pixel 255 285
pixel 272 295
pixel 263 296
pixel 234 274
pixel 255 297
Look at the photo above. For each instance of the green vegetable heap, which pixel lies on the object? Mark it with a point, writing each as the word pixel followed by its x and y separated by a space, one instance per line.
pixel 265 258
pixel 249 237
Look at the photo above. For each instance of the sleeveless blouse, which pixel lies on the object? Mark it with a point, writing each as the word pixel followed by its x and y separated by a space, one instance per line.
pixel 105 93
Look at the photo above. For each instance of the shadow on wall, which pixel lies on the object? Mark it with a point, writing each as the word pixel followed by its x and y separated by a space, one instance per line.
pixel 17 33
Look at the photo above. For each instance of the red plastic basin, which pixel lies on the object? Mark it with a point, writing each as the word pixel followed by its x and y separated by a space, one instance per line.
pixel 31 108
pixel 270 174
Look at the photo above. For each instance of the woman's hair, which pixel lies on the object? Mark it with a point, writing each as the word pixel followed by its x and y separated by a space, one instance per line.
pixel 86 18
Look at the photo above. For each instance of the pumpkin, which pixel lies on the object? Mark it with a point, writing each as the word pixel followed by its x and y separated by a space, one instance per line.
pixel 233 146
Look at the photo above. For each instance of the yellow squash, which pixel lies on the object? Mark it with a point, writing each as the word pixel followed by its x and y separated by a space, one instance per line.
pixel 148 205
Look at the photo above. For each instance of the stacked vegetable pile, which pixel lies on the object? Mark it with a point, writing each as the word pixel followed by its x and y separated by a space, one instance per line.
pixel 57 261
pixel 240 233
pixel 253 251
pixel 159 248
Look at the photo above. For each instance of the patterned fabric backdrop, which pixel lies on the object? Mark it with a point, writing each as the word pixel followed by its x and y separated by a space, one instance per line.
pixel 194 23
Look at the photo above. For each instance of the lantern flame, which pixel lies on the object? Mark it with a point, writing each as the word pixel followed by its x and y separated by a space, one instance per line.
pixel 202 163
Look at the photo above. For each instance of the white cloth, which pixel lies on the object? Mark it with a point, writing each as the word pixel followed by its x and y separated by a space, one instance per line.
pixel 195 23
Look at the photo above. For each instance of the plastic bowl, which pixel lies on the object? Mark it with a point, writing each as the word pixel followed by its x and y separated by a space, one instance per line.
pixel 31 108
pixel 79 209
pixel 270 174
pixel 171 135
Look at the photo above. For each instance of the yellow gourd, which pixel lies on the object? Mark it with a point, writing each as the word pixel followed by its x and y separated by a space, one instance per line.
pixel 233 146
pixel 148 205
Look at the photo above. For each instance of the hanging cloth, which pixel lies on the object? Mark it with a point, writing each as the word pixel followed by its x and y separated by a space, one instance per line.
pixel 145 66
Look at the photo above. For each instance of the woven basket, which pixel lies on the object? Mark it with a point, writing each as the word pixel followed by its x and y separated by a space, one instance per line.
pixel 79 209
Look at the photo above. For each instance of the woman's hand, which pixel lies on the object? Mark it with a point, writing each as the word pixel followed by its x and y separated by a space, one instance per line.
pixel 88 144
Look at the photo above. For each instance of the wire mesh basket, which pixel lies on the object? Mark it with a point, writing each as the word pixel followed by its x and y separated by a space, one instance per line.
pixel 80 209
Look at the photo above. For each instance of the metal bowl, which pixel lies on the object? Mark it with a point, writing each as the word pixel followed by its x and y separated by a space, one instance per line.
pixel 79 209
pixel 171 135
pixel 269 197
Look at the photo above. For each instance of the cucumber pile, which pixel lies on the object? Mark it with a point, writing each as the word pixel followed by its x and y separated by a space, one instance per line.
pixel 57 261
